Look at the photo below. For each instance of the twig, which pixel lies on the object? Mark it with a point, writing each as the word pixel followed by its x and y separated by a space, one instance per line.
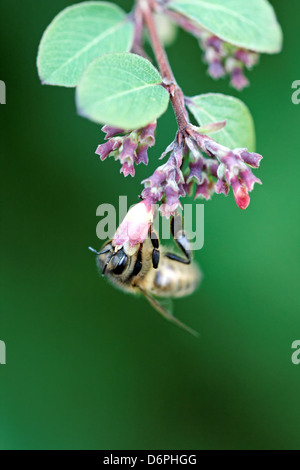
pixel 176 95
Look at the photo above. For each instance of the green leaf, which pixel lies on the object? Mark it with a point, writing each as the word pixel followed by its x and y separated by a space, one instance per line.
pixel 122 90
pixel 250 24
pixel 77 36
pixel 213 107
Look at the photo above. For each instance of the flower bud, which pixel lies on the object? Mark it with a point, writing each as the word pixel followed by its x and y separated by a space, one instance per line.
pixel 142 154
pixel 241 195
pixel 195 174
pixel 215 42
pixel 111 131
pixel 238 79
pixel 147 135
pixel 248 178
pixel 216 69
pixel 251 158
pixel 205 189
pixel 130 148
pixel 221 187
pixel 134 228
pixel 127 169
pixel 248 58
pixel 105 149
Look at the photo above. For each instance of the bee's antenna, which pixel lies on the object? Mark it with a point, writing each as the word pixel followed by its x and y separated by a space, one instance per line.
pixel 106 250
pixel 94 251
pixel 99 252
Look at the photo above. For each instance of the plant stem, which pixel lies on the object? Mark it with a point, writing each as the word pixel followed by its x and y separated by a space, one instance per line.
pixel 176 95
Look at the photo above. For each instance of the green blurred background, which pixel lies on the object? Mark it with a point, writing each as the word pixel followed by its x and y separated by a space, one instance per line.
pixel 90 368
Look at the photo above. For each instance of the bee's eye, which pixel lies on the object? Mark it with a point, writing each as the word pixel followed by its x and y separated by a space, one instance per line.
pixel 121 264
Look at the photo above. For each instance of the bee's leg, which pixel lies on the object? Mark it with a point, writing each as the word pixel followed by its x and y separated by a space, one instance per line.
pixel 155 243
pixel 182 241
pixel 138 263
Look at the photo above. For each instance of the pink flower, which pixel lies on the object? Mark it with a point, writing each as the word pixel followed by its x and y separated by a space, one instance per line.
pixel 241 195
pixel 248 58
pixel 215 42
pixel 221 187
pixel 106 149
pixel 167 182
pixel 238 79
pixel 142 154
pixel 111 131
pixel 130 149
pixel 222 58
pixel 205 189
pixel 134 228
pixel 127 169
pixel 196 173
pixel 216 69
pixel 251 158
pixel 230 167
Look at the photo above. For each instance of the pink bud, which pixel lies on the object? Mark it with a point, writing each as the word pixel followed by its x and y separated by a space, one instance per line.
pixel 152 195
pixel 128 151
pixel 238 79
pixel 248 178
pixel 216 69
pixel 172 194
pixel 147 135
pixel 204 190
pixel 247 57
pixel 127 169
pixel 221 187
pixel 215 42
pixel 142 154
pixel 105 149
pixel 111 131
pixel 195 172
pixel 211 167
pixel 134 228
pixel 251 158
pixel 241 195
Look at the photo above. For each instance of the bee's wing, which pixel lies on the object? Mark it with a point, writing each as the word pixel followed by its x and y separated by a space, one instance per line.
pixel 165 313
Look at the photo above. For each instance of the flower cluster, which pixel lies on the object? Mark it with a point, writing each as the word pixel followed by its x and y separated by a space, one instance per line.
pixel 211 167
pixel 130 148
pixel 196 163
pixel 224 58
pixel 167 182
pixel 201 172
pixel 227 168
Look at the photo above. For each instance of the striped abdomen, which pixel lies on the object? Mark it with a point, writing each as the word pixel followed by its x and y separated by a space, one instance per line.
pixel 173 279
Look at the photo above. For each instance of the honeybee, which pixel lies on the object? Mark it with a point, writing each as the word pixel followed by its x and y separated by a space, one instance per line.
pixel 152 270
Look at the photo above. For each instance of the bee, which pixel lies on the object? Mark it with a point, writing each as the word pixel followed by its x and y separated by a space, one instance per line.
pixel 152 270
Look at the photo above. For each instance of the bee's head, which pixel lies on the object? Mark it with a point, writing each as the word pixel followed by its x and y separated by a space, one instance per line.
pixel 110 260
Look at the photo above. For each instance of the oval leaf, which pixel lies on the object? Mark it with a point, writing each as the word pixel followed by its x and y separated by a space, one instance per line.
pixel 248 24
pixel 214 107
pixel 122 90
pixel 77 36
